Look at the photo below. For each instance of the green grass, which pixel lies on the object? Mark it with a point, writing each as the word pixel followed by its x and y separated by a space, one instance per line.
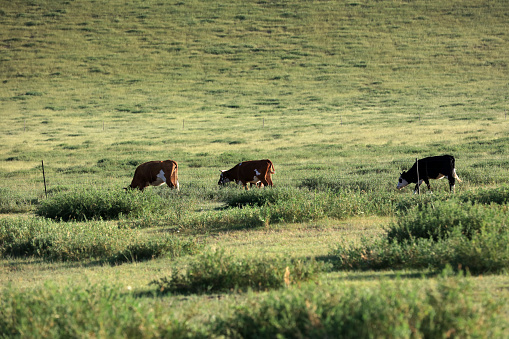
pixel 341 96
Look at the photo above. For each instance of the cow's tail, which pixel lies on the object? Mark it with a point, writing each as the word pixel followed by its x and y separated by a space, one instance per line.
pixel 453 165
pixel 271 168
pixel 455 175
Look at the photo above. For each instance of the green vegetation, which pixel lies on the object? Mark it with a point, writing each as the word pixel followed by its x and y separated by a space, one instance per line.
pixel 219 272
pixel 469 236
pixel 84 241
pixel 340 95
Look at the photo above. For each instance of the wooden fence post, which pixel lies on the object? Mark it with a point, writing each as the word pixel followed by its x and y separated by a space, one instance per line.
pixel 44 178
pixel 417 167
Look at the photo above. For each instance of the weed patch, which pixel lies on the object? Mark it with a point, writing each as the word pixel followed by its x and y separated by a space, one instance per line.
pixel 12 202
pixel 95 240
pixel 398 310
pixel 473 237
pixel 72 312
pixel 82 205
pixel 218 272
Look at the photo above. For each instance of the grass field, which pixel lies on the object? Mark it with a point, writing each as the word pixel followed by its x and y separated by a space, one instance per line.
pixel 340 95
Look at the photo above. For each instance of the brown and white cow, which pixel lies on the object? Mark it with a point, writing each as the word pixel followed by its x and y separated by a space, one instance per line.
pixel 254 172
pixel 155 173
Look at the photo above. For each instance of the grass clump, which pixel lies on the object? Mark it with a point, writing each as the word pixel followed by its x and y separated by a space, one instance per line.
pixel 437 221
pixel 499 195
pixel 258 197
pixel 217 271
pixel 74 312
pixel 12 202
pixel 465 236
pixel 400 310
pixel 82 205
pixel 101 241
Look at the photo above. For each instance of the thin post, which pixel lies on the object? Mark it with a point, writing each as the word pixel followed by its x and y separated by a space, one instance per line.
pixel 44 178
pixel 263 123
pixel 341 120
pixel 417 167
pixel 183 123
pixel 25 126
pixel 103 125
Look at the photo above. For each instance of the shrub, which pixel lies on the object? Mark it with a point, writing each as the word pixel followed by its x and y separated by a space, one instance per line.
pixel 218 272
pixel 94 205
pixel 437 220
pixel 75 312
pixel 399 310
pixel 481 246
pixel 80 241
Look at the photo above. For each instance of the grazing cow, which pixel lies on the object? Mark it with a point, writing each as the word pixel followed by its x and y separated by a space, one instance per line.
pixel 430 168
pixel 256 172
pixel 155 173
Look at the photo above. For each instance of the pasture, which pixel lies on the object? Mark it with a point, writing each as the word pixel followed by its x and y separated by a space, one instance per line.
pixel 340 95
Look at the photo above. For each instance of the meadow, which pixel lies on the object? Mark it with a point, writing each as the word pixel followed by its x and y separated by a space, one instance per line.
pixel 340 95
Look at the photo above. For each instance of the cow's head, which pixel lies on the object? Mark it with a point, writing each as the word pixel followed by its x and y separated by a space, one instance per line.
pixel 223 178
pixel 402 182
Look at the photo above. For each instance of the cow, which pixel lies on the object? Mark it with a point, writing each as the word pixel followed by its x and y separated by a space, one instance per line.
pixel 155 173
pixel 430 168
pixel 256 172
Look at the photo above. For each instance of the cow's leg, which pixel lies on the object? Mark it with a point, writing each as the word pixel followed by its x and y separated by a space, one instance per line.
pixel 427 184
pixel 452 182
pixel 416 190
pixel 264 182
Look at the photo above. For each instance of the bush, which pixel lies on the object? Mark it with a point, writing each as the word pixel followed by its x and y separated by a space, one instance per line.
pixel 94 205
pixel 75 312
pixel 218 272
pixel 399 310
pixel 465 236
pixel 80 241
pixel 437 220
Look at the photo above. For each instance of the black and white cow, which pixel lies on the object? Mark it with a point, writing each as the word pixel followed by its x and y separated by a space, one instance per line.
pixel 430 168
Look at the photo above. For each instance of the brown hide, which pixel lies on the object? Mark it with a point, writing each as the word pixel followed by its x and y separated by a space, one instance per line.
pixel 156 173
pixel 254 171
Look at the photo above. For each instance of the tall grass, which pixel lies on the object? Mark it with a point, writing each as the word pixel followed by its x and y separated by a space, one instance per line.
pixel 105 311
pixel 217 271
pixel 451 306
pixel 466 236
pixel 82 205
pixel 399 310
pixel 100 241
pixel 14 202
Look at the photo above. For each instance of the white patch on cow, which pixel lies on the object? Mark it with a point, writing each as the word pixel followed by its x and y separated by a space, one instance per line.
pixel 178 185
pixel 256 172
pixel 255 180
pixel 161 176
pixel 401 183
pixel 160 179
